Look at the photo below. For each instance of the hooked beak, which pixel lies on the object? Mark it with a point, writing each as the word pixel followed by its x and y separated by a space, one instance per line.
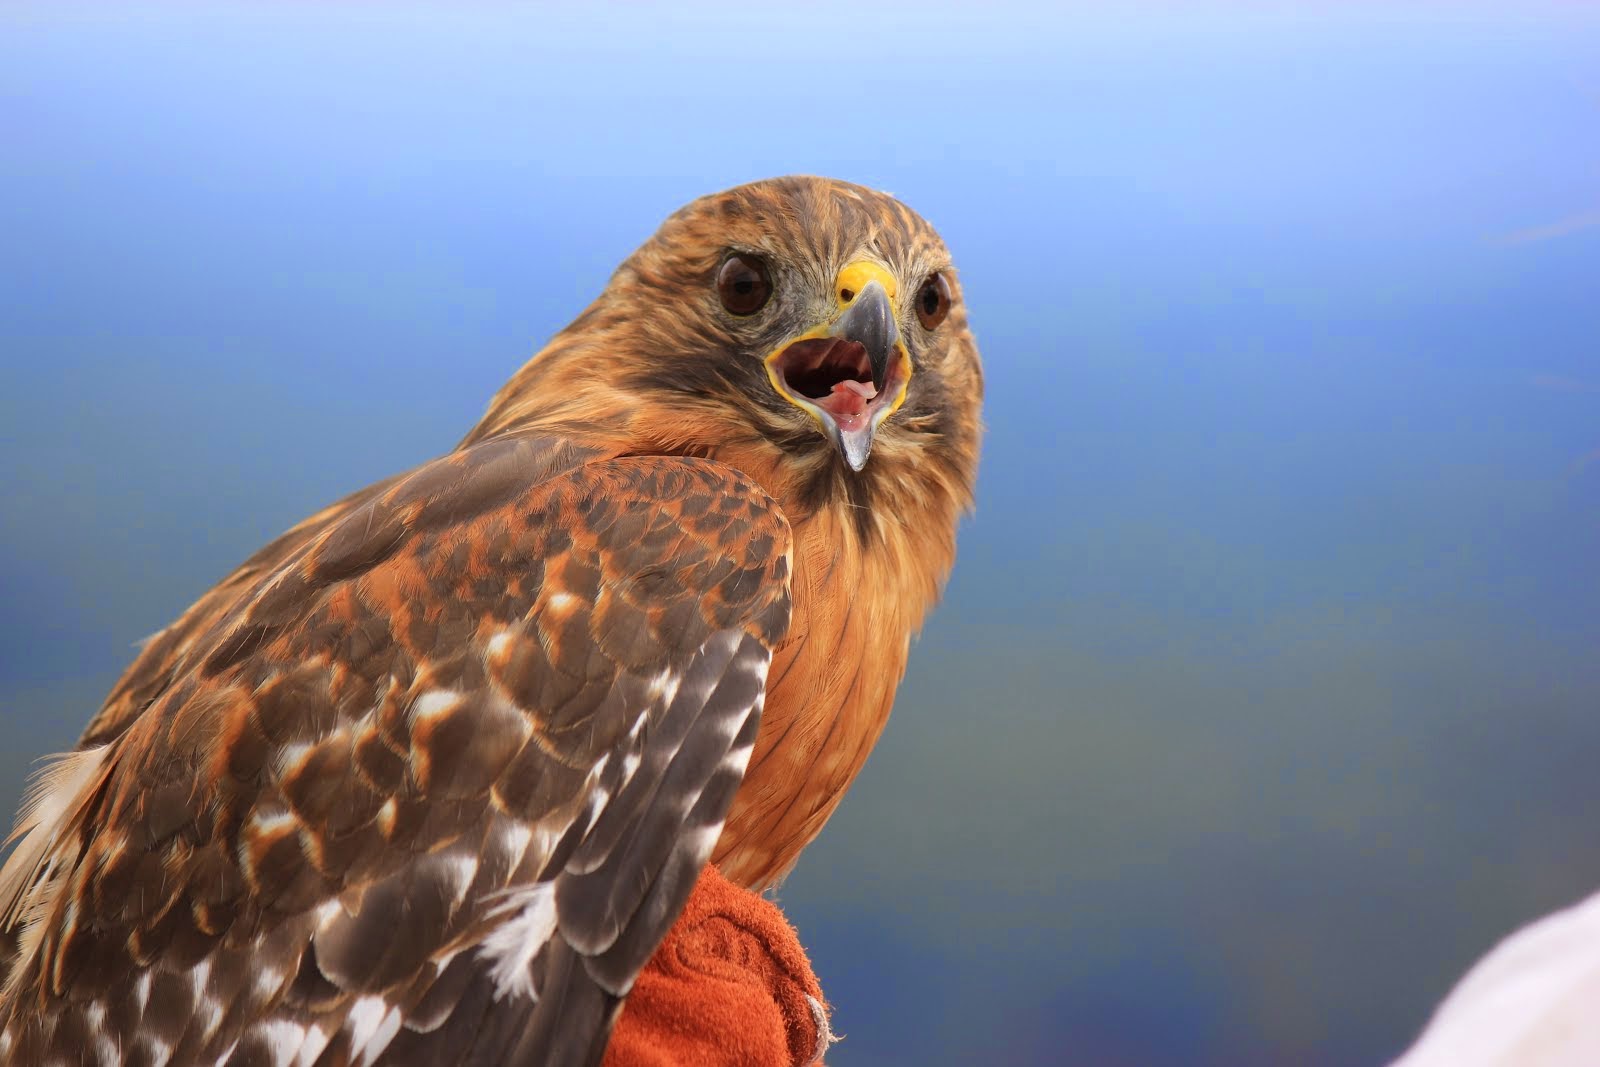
pixel 852 373
pixel 869 321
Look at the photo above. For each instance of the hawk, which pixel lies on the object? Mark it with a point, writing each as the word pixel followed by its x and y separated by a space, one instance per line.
pixel 427 779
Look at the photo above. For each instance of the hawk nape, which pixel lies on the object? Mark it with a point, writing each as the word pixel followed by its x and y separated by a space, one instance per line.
pixel 427 779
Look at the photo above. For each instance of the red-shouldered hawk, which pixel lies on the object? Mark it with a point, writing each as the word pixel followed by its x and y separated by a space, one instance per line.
pixel 427 779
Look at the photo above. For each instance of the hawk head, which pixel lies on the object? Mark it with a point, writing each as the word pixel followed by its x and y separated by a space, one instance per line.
pixel 802 328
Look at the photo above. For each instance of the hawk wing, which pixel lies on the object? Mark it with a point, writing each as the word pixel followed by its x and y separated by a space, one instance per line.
pixel 432 790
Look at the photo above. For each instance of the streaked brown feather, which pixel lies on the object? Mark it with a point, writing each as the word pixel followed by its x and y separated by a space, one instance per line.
pixel 493 729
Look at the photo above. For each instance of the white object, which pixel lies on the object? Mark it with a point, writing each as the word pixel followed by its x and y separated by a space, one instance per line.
pixel 1533 1001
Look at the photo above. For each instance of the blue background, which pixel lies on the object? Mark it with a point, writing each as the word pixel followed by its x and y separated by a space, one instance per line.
pixel 1264 697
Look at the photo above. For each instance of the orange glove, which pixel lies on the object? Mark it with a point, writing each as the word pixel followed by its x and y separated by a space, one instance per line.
pixel 730 986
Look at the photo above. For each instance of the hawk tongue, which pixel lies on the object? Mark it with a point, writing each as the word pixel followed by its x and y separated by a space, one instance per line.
pixel 848 402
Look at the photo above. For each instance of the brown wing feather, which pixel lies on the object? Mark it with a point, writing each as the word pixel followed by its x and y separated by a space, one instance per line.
pixel 435 786
pixel 164 654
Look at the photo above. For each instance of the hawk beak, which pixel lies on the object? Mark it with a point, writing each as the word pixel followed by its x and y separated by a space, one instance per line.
pixel 851 373
pixel 869 321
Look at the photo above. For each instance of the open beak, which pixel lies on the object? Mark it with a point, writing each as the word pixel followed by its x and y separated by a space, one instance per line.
pixel 851 373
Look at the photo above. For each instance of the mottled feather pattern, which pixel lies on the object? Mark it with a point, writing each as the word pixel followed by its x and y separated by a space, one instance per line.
pixel 427 778
pixel 467 686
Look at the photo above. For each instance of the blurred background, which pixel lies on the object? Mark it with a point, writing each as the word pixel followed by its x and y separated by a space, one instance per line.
pixel 1266 694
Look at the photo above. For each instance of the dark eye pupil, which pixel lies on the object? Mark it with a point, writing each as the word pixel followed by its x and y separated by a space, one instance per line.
pixel 930 299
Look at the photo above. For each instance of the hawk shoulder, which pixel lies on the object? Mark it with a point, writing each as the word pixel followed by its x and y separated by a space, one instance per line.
pixel 429 783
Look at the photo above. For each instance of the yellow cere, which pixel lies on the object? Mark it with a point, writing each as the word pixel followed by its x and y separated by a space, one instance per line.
pixel 855 277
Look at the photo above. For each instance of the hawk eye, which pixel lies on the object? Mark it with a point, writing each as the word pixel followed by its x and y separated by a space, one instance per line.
pixel 744 284
pixel 933 301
